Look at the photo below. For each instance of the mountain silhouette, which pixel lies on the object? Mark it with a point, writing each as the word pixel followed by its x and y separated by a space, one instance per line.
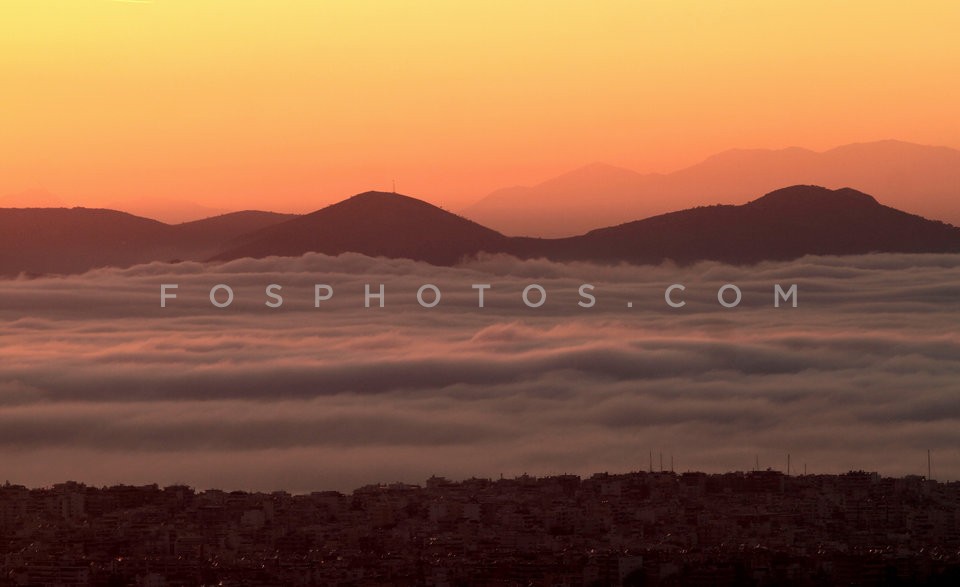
pixel 374 224
pixel 74 240
pixel 782 225
pixel 920 179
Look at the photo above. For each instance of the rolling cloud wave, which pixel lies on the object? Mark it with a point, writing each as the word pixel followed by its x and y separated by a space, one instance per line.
pixel 100 384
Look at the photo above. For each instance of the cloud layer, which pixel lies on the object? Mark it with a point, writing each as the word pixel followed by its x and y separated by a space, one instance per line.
pixel 100 384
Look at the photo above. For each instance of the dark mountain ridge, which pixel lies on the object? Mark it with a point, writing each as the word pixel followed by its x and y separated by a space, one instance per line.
pixel 74 240
pixel 377 224
pixel 784 224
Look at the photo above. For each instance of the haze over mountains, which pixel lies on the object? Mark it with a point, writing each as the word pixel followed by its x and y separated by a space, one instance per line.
pixel 923 180
pixel 784 224
pixel 919 179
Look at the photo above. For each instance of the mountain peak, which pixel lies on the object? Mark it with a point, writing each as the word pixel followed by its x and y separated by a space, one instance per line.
pixel 378 195
pixel 377 224
pixel 814 197
pixel 380 199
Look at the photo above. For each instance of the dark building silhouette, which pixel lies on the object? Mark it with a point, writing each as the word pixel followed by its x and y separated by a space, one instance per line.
pixel 756 528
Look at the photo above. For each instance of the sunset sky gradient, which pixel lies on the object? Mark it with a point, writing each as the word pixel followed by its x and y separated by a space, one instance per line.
pixel 293 105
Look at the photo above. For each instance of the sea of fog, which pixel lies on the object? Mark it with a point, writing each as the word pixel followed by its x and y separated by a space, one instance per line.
pixel 100 384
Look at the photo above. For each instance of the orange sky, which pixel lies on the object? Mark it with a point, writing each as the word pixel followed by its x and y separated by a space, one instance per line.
pixel 291 105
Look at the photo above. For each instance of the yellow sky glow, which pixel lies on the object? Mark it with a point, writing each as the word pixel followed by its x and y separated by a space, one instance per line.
pixel 293 104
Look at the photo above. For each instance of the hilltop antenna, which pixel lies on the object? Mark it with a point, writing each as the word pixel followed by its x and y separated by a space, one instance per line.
pixel 928 465
pixel 757 461
pixel 661 461
pixel 394 186
pixel 651 461
pixel 788 464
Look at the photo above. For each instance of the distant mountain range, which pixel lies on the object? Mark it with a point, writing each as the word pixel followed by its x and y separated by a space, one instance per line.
pixel 920 179
pixel 74 240
pixel 784 224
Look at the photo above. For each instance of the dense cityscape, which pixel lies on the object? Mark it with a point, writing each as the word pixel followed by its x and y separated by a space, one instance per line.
pixel 753 528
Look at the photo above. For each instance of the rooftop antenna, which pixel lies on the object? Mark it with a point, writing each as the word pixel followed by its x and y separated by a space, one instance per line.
pixel 757 461
pixel 788 464
pixel 928 465
pixel 651 461
pixel 661 461
pixel 671 463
